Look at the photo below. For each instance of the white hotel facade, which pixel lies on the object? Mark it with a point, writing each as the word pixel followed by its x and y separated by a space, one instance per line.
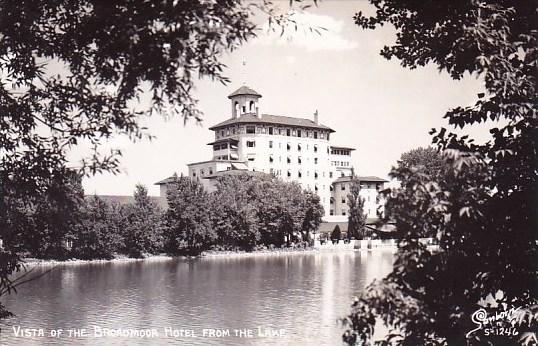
pixel 293 149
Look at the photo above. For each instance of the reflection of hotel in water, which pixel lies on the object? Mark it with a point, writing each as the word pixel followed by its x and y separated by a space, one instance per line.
pixel 294 149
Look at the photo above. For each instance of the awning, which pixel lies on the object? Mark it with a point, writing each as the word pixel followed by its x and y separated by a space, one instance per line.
pixel 239 166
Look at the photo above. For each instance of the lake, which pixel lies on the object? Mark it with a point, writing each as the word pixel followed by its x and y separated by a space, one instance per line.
pixel 285 299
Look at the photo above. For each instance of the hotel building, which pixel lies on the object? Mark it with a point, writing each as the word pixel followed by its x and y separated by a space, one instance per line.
pixel 291 148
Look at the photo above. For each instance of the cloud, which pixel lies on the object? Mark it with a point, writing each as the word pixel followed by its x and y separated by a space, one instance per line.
pixel 330 35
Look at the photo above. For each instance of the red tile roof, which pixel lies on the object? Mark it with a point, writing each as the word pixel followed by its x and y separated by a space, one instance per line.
pixel 244 90
pixel 272 119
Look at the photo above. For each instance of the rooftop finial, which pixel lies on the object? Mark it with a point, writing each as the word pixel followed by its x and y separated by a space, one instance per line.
pixel 316 117
pixel 244 72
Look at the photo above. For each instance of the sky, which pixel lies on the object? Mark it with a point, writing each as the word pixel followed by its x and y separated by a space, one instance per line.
pixel 373 104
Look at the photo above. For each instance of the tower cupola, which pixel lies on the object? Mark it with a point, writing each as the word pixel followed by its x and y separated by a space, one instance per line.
pixel 244 101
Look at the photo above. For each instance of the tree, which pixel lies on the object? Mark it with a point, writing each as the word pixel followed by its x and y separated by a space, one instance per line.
pixel 143 225
pixel 98 235
pixel 336 234
pixel 483 214
pixel 312 217
pixel 49 219
pixel 188 221
pixel 425 167
pixel 427 161
pixel 75 71
pixel 234 210
pixel 357 218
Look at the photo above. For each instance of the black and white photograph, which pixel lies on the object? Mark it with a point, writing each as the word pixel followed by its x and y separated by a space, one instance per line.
pixel 269 172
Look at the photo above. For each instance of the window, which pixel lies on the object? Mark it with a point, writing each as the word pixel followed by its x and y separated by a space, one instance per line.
pixel 251 129
pixel 331 188
pixel 193 173
pixel 344 212
pixel 330 174
pixel 288 132
pixel 270 130
pixel 322 135
pixel 315 175
pixel 315 160
pixel 332 212
pixel 343 187
pixel 298 147
pixel 316 188
pixel 210 171
pixel 289 159
pixel 315 148
pixel 222 133
pixel 288 146
pixel 271 158
pixel 299 174
pixel 289 173
pixel 298 133
pixel 316 134
pixel 251 106
pixel 251 159
pixel 201 172
pixel 227 132
pixel 251 144
pixel 299 161
pixel 270 144
pixel 294 133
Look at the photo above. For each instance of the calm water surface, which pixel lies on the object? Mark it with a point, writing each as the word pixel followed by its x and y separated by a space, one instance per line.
pixel 304 294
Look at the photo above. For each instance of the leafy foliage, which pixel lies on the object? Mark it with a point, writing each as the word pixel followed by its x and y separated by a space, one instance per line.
pixel 357 217
pixel 98 235
pixel 336 234
pixel 143 224
pixel 74 72
pixel 234 212
pixel 189 229
pixel 483 210
pixel 420 172
pixel 52 217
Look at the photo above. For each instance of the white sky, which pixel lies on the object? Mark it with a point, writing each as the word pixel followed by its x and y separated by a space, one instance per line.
pixel 373 104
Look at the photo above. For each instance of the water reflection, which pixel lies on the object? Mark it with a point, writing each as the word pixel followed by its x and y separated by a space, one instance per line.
pixel 304 294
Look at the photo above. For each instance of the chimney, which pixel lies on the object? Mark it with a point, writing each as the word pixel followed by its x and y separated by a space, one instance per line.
pixel 316 120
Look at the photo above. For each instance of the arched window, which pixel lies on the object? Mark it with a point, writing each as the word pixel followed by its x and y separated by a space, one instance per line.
pixel 252 106
pixel 236 106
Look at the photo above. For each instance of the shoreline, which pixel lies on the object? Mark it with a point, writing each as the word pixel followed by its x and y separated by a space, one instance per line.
pixel 164 257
